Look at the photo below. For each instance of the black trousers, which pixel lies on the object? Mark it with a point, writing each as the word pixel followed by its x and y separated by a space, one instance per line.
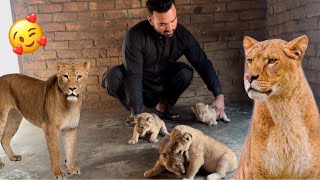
pixel 172 84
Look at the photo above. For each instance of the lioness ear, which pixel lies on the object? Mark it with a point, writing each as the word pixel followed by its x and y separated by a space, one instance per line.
pixel 187 136
pixel 298 46
pixel 248 42
pixel 135 119
pixel 164 155
pixel 60 65
pixel 86 66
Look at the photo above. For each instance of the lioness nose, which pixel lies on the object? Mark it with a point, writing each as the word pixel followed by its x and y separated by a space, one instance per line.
pixel 250 78
pixel 72 88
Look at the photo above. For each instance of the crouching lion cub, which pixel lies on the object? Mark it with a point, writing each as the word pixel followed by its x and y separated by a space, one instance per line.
pixel 203 151
pixel 173 162
pixel 146 123
pixel 207 114
pixel 53 105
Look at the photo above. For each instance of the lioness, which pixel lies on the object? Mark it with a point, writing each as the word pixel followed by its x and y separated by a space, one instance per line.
pixel 203 151
pixel 173 162
pixel 207 114
pixel 147 123
pixel 53 105
pixel 283 141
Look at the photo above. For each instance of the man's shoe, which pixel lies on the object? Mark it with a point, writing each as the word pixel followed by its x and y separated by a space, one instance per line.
pixel 169 114
pixel 130 120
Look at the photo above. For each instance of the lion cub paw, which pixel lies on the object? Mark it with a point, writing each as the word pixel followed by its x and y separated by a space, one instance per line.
pixel 214 176
pixel 15 158
pixel 154 140
pixel 132 141
pixel 148 173
pixel 73 170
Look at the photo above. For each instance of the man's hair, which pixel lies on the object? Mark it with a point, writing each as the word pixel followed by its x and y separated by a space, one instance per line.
pixel 159 6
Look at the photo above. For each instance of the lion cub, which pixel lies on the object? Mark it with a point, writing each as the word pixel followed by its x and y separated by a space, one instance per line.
pixel 53 105
pixel 173 162
pixel 146 123
pixel 207 114
pixel 203 151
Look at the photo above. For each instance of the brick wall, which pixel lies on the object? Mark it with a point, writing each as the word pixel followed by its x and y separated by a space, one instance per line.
pixel 93 30
pixel 290 20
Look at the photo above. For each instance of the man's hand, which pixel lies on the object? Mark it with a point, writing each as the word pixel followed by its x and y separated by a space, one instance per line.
pixel 219 104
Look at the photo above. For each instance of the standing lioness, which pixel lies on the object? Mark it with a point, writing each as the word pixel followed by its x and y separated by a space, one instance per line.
pixel 284 137
pixel 53 105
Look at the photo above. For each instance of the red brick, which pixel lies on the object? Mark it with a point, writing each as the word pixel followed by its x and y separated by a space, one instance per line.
pixel 94 53
pixel 50 8
pixel 105 5
pixel 126 4
pixel 66 36
pixel 45 55
pixel 252 14
pixel 113 52
pixel 69 54
pixel 201 1
pixel 115 14
pixel 47 27
pixel 101 24
pixel 38 1
pixel 202 18
pixel 81 44
pixel 33 9
pixel 44 74
pixel 44 18
pixel 78 26
pixel 133 13
pixel 75 6
pixel 62 17
pixel 93 80
pixel 215 45
pixel 226 16
pixel 34 65
pixel 182 2
pixel 53 45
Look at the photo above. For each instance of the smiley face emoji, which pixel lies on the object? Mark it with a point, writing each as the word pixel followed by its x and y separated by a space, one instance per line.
pixel 26 35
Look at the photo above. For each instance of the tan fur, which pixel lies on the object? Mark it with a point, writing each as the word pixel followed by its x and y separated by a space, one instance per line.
pixel 173 162
pixel 283 140
pixel 48 105
pixel 203 151
pixel 207 114
pixel 146 123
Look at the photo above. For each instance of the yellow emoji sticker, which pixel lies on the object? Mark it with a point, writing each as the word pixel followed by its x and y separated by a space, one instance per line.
pixel 26 35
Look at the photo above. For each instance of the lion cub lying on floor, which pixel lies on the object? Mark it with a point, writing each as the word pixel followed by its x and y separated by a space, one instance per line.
pixel 203 151
pixel 207 114
pixel 53 105
pixel 146 123
pixel 173 162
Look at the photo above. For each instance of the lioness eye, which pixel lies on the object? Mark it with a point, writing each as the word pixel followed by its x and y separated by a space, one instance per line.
pixel 176 165
pixel 65 76
pixel 272 61
pixel 249 61
pixel 79 77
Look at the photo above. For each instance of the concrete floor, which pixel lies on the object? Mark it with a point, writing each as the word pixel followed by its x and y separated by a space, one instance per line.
pixel 102 150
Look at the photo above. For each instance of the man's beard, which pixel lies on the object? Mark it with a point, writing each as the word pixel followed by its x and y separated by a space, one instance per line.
pixel 168 33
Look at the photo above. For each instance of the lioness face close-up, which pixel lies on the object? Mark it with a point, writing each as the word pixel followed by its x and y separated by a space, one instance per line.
pixel 270 66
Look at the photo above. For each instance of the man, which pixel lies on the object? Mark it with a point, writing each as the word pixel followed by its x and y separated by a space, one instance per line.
pixel 150 74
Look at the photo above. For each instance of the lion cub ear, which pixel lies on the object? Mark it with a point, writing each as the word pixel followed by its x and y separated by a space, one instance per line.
pixel 60 65
pixel 298 46
pixel 187 136
pixel 86 66
pixel 149 119
pixel 248 42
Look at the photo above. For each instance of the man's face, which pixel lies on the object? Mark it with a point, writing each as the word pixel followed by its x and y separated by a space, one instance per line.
pixel 164 23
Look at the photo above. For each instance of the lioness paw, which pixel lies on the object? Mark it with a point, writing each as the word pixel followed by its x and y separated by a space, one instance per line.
pixel 132 141
pixel 154 140
pixel 59 175
pixel 15 158
pixel 73 170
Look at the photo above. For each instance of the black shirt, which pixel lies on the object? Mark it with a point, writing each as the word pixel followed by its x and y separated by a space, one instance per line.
pixel 147 55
